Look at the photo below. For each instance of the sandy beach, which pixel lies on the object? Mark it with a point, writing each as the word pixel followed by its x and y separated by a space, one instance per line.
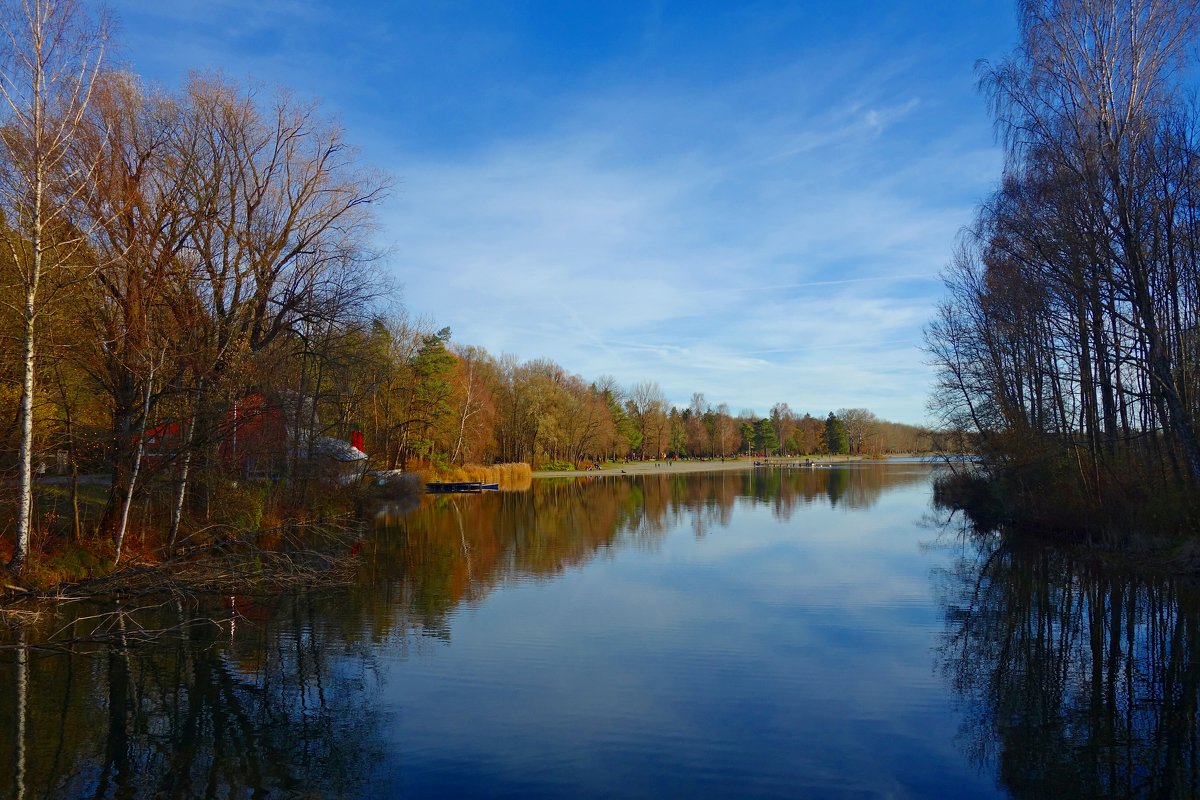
pixel 676 467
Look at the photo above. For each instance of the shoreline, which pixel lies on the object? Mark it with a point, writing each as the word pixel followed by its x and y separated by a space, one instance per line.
pixel 680 467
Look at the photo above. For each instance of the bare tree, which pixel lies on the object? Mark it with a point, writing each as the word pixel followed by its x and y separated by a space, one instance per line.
pixel 1068 340
pixel 138 227
pixel 860 425
pixel 725 431
pixel 280 213
pixel 783 420
pixel 51 52
pixel 648 407
pixel 699 417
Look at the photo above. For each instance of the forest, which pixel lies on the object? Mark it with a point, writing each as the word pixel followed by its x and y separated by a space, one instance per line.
pixel 1067 341
pixel 198 328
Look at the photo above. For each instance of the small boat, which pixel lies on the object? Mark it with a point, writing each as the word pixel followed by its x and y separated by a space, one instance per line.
pixel 460 486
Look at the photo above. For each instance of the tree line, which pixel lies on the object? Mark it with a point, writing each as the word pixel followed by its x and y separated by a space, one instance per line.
pixel 166 255
pixel 422 400
pixel 1068 339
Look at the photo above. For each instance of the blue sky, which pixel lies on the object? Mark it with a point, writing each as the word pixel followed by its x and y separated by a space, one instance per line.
pixel 747 199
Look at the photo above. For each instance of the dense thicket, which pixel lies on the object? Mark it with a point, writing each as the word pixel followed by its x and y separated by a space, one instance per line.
pixel 1068 340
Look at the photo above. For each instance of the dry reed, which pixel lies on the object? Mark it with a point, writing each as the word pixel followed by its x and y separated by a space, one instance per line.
pixel 510 476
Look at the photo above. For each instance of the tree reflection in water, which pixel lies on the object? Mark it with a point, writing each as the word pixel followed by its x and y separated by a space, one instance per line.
pixel 209 714
pixel 281 695
pixel 1078 680
pixel 454 549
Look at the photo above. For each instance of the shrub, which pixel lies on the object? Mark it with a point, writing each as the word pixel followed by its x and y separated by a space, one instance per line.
pixel 975 494
pixel 240 505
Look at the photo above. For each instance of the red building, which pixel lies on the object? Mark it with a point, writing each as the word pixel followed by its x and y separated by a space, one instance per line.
pixel 256 441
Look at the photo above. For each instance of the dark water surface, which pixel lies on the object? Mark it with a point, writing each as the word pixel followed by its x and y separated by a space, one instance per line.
pixel 769 634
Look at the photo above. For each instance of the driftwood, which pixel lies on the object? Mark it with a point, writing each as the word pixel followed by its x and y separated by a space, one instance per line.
pixel 301 556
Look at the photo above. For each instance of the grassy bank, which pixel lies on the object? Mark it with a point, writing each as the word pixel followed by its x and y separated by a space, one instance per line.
pixel 68 547
pixel 1152 523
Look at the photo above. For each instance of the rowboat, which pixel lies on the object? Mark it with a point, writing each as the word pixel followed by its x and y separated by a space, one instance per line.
pixel 442 487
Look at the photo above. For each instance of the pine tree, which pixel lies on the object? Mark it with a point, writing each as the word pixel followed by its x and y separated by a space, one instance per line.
pixel 835 436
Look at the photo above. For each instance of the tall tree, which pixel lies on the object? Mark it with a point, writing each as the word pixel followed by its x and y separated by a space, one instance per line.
pixel 138 227
pixel 280 212
pixel 725 431
pixel 765 439
pixel 783 419
pixel 474 372
pixel 699 435
pixel 836 442
pixel 647 406
pixel 747 431
pixel 810 434
pixel 430 406
pixel 1068 335
pixel 860 426
pixel 51 52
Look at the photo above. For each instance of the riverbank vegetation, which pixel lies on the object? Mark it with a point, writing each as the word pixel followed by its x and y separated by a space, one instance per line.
pixel 1069 339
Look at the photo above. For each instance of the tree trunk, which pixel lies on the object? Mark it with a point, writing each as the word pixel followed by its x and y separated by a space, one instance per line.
pixel 25 452
pixel 187 443
pixel 137 463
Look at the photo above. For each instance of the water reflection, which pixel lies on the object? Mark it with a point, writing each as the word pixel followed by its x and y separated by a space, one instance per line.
pixel 457 549
pixel 1078 679
pixel 270 705
pixel 851 486
pixel 283 695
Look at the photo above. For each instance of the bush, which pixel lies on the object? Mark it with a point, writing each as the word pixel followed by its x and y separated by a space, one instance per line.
pixel 974 494
pixel 241 505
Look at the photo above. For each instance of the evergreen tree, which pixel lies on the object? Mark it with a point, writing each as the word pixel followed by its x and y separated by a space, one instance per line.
pixel 836 442
pixel 432 367
pixel 765 440
pixel 747 435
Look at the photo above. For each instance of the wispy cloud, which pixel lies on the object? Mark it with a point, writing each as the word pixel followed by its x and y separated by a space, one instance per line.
pixel 754 270
pixel 707 203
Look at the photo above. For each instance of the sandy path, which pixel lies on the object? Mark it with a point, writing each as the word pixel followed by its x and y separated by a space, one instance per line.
pixel 675 467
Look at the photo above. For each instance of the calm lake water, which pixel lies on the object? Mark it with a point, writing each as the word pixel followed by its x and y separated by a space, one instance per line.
pixel 815 633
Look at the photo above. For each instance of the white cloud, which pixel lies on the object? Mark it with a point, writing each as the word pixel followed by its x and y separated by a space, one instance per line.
pixel 752 232
pixel 700 274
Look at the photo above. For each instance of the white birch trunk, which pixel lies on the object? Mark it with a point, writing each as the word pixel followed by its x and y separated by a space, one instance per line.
pixel 137 463
pixel 25 448
pixel 53 58
pixel 184 468
pixel 466 413
pixel 22 701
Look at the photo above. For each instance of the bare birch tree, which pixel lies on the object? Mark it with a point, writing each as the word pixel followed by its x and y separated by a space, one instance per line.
pixel 51 52
pixel 1068 340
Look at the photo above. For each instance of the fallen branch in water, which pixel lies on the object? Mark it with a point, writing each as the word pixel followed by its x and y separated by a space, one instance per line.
pixel 300 556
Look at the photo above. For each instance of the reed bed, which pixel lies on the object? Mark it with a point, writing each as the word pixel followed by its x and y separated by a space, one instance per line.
pixel 517 476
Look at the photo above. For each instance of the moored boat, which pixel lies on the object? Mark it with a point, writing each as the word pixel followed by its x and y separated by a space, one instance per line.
pixel 454 486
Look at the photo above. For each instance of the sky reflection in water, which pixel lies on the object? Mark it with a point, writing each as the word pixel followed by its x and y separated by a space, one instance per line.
pixel 771 634
pixel 762 633
pixel 784 650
